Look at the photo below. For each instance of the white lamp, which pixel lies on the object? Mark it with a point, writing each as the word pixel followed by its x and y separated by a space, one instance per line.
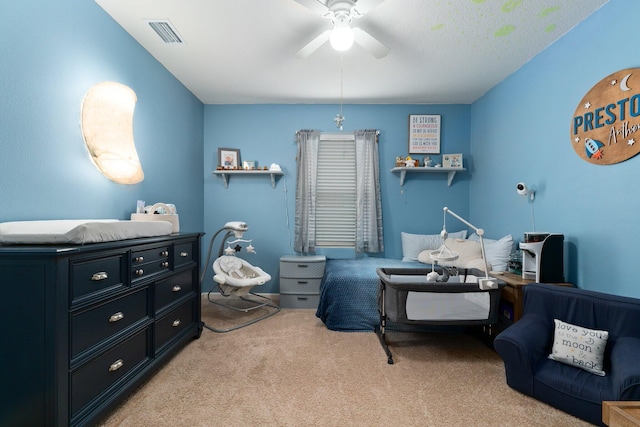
pixel 446 254
pixel 341 37
pixel 107 129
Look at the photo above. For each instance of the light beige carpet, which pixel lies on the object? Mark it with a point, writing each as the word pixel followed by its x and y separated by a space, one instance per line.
pixel 290 370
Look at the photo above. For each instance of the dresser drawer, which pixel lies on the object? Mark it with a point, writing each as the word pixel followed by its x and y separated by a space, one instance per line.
pixel 91 326
pixel 97 376
pixel 95 276
pixel 149 255
pixel 149 262
pixel 300 286
pixel 299 301
pixel 302 266
pixel 173 324
pixel 174 288
pixel 183 254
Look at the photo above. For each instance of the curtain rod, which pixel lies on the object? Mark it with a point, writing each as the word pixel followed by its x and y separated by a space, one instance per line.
pixel 363 130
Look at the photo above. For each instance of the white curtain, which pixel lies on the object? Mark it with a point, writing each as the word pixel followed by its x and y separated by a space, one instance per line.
pixel 307 160
pixel 368 202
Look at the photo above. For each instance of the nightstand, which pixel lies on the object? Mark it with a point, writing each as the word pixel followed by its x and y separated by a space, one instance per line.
pixel 300 278
pixel 513 292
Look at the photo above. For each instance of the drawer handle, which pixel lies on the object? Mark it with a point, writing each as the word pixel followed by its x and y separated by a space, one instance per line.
pixel 116 365
pixel 176 288
pixel 303 265
pixel 184 254
pixel 139 272
pixel 116 317
pixel 302 282
pixel 139 259
pixel 165 264
pixel 303 298
pixel 164 253
pixel 101 275
pixel 176 323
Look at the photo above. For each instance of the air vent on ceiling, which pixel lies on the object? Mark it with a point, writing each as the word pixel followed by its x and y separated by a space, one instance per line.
pixel 166 31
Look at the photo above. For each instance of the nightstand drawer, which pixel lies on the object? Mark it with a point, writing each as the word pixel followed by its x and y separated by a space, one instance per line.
pixel 91 326
pixel 299 301
pixel 302 266
pixel 300 286
pixel 91 380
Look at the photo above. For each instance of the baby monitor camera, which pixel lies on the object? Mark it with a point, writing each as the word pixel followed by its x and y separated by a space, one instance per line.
pixel 522 189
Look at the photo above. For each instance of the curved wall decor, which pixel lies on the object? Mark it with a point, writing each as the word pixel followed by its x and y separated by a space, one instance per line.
pixel 107 129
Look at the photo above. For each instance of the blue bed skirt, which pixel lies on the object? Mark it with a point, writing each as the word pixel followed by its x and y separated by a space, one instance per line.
pixel 349 292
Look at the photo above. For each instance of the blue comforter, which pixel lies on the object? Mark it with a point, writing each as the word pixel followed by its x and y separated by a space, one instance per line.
pixel 349 292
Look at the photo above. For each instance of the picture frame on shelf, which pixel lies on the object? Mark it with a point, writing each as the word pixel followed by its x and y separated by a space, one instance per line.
pixel 249 165
pixel 229 158
pixel 424 133
pixel 452 160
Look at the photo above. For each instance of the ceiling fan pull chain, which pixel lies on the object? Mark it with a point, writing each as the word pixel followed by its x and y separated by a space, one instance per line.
pixel 339 118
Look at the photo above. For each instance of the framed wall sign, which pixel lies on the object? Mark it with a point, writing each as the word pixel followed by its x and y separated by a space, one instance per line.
pixel 424 134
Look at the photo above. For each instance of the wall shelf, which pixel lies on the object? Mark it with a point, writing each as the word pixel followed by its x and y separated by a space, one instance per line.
pixel 226 175
pixel 451 172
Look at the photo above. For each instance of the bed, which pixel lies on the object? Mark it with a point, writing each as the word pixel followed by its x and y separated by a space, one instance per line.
pixel 349 292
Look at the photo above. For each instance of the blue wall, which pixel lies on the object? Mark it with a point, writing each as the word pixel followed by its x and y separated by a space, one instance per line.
pixel 266 133
pixel 520 132
pixel 52 53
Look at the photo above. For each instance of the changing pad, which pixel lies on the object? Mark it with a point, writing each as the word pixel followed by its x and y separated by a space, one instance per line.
pixel 79 231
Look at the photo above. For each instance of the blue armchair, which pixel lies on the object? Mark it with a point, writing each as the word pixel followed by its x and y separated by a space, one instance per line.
pixel 524 347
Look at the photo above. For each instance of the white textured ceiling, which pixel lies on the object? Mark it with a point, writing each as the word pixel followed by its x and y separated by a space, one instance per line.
pixel 442 51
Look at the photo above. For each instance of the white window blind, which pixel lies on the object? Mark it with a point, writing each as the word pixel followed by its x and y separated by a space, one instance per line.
pixel 336 191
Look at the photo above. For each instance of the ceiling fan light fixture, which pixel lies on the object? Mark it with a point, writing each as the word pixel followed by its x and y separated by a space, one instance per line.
pixel 341 37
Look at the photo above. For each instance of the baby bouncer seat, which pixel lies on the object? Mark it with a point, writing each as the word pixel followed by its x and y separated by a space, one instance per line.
pixel 236 278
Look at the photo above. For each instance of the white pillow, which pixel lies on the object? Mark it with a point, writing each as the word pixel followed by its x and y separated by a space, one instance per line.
pixel 413 244
pixel 579 347
pixel 497 251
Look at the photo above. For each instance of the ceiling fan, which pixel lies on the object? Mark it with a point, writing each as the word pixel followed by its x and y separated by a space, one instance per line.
pixel 342 36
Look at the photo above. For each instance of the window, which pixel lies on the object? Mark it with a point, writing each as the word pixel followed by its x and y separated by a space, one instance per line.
pixel 336 191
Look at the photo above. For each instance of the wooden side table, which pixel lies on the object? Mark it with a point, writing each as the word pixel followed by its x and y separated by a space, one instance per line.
pixel 621 414
pixel 513 291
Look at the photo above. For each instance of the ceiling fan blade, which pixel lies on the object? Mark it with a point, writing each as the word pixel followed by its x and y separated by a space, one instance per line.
pixel 314 5
pixel 369 43
pixel 313 45
pixel 364 6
